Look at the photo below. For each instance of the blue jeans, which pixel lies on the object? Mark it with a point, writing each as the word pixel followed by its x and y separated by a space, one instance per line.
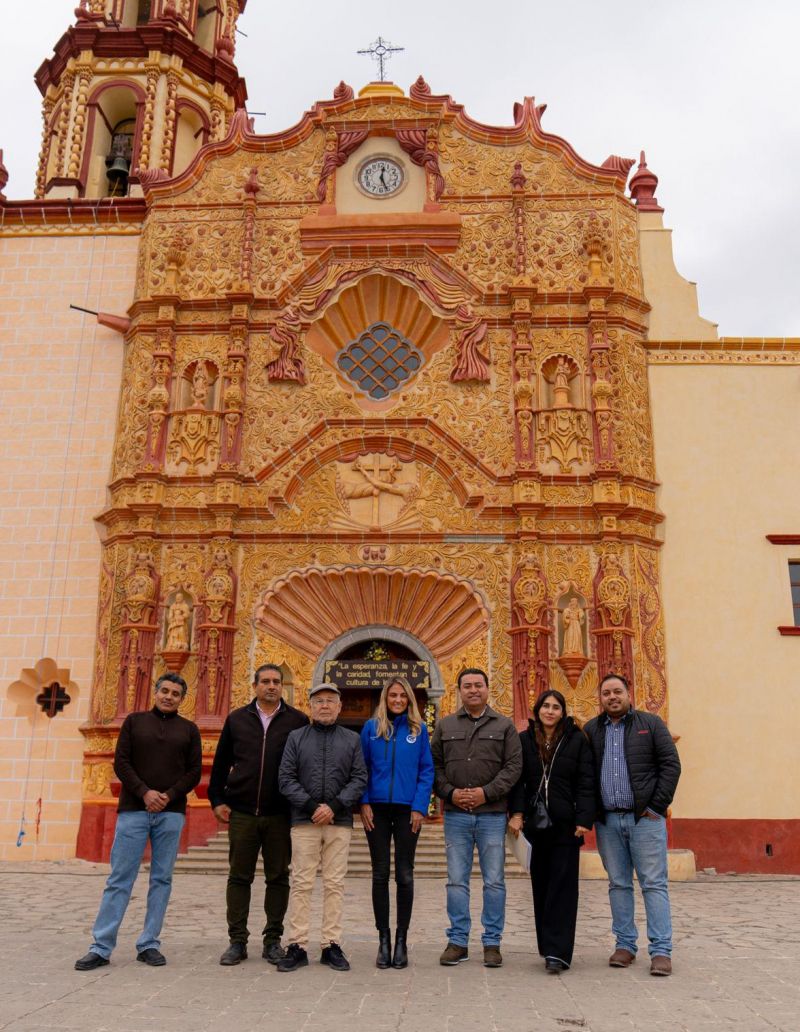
pixel 462 832
pixel 130 838
pixel 626 846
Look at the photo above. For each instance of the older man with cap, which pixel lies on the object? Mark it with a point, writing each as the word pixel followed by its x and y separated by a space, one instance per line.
pixel 323 776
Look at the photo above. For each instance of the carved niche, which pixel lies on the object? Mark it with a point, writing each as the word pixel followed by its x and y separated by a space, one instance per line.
pixel 193 448
pixel 563 429
pixel 572 634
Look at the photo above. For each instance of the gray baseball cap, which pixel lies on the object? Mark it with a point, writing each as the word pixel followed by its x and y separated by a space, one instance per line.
pixel 324 687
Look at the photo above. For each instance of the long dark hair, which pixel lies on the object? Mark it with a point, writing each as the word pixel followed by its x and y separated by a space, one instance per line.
pixel 542 744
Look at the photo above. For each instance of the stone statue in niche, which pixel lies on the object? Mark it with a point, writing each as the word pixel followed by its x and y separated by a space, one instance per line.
pixel 572 621
pixel 561 395
pixel 200 384
pixel 177 625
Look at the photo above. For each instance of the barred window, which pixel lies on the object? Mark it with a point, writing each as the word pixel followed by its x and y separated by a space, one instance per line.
pixel 379 361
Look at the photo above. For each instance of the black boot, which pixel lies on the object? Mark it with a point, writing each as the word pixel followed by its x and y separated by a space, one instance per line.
pixel 400 958
pixel 384 958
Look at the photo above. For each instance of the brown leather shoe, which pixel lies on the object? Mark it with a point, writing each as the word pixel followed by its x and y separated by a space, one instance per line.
pixel 454 955
pixel 660 966
pixel 621 958
pixel 492 957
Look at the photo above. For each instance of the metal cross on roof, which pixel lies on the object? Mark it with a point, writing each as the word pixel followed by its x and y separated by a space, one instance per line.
pixel 381 50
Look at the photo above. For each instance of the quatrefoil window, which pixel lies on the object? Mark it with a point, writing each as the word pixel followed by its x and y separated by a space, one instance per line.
pixel 379 361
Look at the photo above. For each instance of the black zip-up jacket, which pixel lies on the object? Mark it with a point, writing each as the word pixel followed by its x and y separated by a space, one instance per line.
pixel 245 770
pixel 323 763
pixel 159 751
pixel 651 758
pixel 571 791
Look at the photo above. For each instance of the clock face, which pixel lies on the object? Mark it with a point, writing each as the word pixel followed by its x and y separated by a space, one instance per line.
pixel 380 177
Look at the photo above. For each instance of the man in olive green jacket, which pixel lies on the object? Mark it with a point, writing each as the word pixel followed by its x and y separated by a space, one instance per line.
pixel 477 761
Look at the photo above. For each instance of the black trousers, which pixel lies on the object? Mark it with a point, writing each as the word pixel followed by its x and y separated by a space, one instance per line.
pixel 555 861
pixel 247 837
pixel 392 821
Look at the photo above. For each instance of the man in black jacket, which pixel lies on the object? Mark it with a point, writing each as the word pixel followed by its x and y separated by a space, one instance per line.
pixel 243 790
pixel 158 760
pixel 637 770
pixel 323 776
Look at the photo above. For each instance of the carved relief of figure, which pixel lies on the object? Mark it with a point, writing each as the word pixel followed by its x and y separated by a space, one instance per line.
pixel 471 364
pixel 178 616
pixel 391 485
pixel 194 440
pixel 286 362
pixel 572 621
pixel 215 641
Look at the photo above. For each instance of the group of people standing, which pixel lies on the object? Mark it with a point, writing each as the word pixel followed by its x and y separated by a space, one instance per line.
pixel 287 787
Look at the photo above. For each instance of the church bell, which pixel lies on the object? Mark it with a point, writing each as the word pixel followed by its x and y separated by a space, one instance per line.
pixel 117 174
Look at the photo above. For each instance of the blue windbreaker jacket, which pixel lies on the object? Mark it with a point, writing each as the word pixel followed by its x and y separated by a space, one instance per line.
pixel 400 769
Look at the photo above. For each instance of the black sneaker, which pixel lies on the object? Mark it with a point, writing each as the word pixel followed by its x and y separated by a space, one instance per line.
pixel 90 961
pixel 296 957
pixel 273 952
pixel 152 957
pixel 235 954
pixel 332 956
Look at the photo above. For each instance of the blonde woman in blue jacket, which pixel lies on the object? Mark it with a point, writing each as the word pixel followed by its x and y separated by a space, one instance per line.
pixel 397 753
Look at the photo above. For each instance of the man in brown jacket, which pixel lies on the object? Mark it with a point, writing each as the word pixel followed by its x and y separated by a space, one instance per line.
pixel 478 760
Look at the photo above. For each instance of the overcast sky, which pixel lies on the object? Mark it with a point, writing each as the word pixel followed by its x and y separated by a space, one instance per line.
pixel 709 88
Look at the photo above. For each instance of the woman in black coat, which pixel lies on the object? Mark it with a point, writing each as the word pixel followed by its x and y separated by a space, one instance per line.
pixel 557 766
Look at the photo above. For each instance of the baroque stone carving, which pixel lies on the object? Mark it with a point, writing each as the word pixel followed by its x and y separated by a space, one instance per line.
pixel 287 363
pixel 378 490
pixel 470 363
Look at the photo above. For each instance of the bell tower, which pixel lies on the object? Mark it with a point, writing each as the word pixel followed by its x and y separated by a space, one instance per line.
pixel 135 85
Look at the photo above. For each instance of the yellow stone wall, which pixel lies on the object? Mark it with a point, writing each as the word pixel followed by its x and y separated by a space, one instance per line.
pixel 726 440
pixel 59 379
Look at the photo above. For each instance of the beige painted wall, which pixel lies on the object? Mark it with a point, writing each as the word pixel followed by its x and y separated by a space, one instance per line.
pixel 727 455
pixel 674 313
pixel 59 384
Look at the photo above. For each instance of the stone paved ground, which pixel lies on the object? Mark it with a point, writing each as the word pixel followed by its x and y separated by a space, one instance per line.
pixel 737 954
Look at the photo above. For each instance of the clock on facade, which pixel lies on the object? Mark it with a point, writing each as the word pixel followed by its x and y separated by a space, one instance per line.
pixel 380 176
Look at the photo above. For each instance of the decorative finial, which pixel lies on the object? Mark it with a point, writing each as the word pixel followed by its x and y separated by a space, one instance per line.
pixel 343 92
pixel 420 90
pixel 381 50
pixel 643 187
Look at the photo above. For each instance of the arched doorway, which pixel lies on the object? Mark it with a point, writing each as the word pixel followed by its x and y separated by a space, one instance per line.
pixel 361 660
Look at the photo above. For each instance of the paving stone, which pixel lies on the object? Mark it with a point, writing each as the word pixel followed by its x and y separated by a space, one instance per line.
pixel 737 940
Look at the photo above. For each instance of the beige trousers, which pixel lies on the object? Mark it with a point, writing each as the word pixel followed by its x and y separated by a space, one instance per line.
pixel 313 846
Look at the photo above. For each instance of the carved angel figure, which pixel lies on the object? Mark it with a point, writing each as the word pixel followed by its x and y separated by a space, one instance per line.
pixel 471 364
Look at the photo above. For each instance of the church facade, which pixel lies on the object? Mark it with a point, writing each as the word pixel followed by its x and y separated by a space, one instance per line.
pixel 388 387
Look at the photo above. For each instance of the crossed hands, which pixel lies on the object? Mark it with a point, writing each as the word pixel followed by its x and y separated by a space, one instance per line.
pixel 468 798
pixel 154 802
pixel 322 815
